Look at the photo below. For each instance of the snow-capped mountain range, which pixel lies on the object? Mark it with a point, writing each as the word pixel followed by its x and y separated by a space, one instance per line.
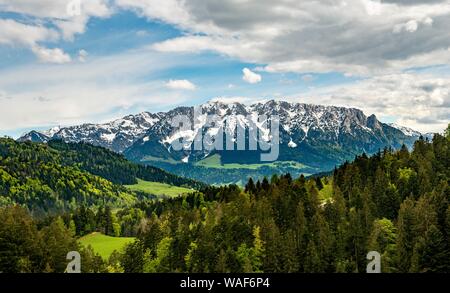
pixel 317 136
pixel 116 135
pixel 408 131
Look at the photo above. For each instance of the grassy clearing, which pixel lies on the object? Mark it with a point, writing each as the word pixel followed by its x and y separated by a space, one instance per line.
pixel 215 162
pixel 105 245
pixel 158 188
pixel 327 191
pixel 148 159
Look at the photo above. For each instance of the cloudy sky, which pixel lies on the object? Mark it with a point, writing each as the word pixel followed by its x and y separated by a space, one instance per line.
pixel 63 63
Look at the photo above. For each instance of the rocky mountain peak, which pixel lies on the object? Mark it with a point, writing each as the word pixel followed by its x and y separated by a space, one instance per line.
pixel 300 124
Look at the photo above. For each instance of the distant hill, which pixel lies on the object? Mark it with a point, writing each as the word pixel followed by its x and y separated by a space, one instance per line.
pixel 113 166
pixel 55 177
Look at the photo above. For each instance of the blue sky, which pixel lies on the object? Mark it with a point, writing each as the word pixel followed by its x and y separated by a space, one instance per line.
pixel 127 56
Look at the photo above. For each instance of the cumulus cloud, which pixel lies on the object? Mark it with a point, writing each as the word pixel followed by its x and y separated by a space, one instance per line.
pixel 420 101
pixel 48 21
pixel 352 36
pixel 412 25
pixel 85 92
pixel 251 77
pixel 51 55
pixel 412 2
pixel 16 33
pixel 57 13
pixel 180 84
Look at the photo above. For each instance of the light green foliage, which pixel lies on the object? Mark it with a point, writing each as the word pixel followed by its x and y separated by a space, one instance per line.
pixel 214 161
pixel 159 263
pixel 35 176
pixel 159 189
pixel 326 193
pixel 105 245
pixel 250 258
pixel 383 240
pixel 405 173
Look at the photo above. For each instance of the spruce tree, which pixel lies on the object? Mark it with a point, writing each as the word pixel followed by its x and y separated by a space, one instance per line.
pixel 319 183
pixel 406 231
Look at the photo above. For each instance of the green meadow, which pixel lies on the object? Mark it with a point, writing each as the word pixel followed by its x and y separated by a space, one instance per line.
pixel 159 189
pixel 105 245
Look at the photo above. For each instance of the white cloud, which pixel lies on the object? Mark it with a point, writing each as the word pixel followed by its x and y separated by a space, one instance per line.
pixel 233 100
pixel 420 101
pixel 251 77
pixel 51 55
pixel 352 36
pixel 309 35
pixel 57 9
pixel 103 88
pixel 56 12
pixel 373 7
pixel 48 21
pixel 16 33
pixel 413 25
pixel 180 84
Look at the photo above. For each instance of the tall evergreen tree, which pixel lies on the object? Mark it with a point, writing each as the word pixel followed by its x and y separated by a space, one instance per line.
pixel 406 227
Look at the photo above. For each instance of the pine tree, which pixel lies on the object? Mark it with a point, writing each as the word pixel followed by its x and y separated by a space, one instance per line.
pixel 133 258
pixel 290 257
pixel 265 185
pixel 319 183
pixel 406 231
pixel 243 255
pixel 108 221
pixel 221 266
pixel 270 234
pixel 58 242
pixel 250 187
pixel 257 250
pixel 430 253
pixel 300 231
pixel 357 245
pixel 21 249
pixel 312 259
pixel 321 234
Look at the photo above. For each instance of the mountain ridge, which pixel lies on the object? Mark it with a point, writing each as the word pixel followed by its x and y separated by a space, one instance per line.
pixel 137 125
pixel 317 137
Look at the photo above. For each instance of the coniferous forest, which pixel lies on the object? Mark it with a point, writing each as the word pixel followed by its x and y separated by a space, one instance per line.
pixel 396 202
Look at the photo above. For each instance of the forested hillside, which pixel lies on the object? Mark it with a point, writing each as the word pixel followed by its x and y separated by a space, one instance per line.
pixel 59 177
pixel 114 167
pixel 395 202
pixel 34 176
